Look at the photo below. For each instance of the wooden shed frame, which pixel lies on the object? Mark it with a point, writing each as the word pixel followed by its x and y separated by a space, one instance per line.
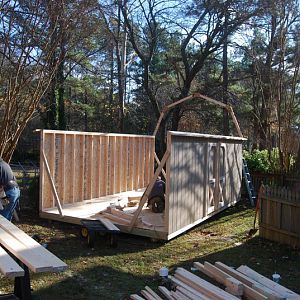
pixel 84 173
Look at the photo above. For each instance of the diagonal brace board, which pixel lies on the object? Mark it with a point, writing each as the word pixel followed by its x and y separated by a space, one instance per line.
pixel 57 201
pixel 149 188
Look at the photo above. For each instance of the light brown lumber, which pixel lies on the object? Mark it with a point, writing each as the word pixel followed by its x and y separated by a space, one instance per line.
pixel 179 296
pixel 179 284
pixel 165 292
pixel 108 224
pixel 268 282
pixel 119 213
pixel 204 286
pixel 149 290
pixel 56 198
pixel 26 255
pixel 149 188
pixel 40 252
pixel 188 294
pixel 115 218
pixel 262 290
pixel 235 286
pixel 136 297
pixel 219 275
pixel 8 266
pixel 211 271
pixel 147 295
pixel 212 295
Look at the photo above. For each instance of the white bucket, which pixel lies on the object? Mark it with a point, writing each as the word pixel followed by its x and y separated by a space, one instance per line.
pixel 163 272
pixel 276 277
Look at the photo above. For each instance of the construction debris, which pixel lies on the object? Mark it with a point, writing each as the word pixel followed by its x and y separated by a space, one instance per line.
pixel 240 283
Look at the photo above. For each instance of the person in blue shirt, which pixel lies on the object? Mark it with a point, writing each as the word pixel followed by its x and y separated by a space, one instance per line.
pixel 9 184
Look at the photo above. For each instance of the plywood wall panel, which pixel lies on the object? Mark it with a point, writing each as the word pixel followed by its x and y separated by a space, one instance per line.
pixel 189 181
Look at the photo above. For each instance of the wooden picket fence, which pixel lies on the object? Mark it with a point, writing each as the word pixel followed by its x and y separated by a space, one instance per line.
pixel 280 215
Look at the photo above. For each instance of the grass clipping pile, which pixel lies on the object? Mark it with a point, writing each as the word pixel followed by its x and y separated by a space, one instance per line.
pixel 242 283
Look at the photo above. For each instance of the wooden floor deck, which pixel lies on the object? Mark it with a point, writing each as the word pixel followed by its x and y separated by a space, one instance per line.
pixel 148 224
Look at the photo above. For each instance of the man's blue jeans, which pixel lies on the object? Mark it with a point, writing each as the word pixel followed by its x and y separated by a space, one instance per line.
pixel 13 195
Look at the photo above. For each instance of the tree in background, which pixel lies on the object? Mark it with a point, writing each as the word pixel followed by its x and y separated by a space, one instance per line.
pixel 25 67
pixel 273 57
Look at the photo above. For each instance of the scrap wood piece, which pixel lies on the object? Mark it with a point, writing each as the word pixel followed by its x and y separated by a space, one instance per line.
pixel 202 285
pixel 268 282
pixel 261 289
pixel 108 224
pixel 165 292
pixel 115 218
pixel 120 213
pixel 8 266
pixel 136 297
pixel 40 253
pixel 149 188
pixel 234 286
pixel 147 295
pixel 179 284
pixel 149 290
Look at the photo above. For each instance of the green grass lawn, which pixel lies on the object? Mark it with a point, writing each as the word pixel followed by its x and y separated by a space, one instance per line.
pixel 115 273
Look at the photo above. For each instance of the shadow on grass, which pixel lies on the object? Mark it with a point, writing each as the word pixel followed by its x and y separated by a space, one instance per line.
pixel 115 273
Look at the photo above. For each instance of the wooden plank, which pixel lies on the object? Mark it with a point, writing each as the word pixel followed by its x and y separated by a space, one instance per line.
pixel 108 224
pixel 151 163
pixel 142 163
pixel 41 252
pixel 118 165
pixel 250 282
pixel 42 200
pixel 181 285
pixel 158 162
pixel 61 172
pixel 153 294
pixel 104 166
pixel 234 287
pixel 147 295
pixel 202 285
pixel 187 293
pixel 136 165
pixel 69 169
pixel 120 213
pixel 97 167
pixel 268 282
pixel 179 296
pixel 124 153
pixel 130 164
pixel 8 266
pixel 147 162
pixel 47 147
pixel 81 168
pixel 89 167
pixel 27 255
pixel 112 162
pixel 165 292
pixel 115 218
pixel 148 189
pixel 57 201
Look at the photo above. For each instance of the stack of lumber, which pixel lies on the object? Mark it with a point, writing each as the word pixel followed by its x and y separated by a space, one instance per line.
pixel 240 283
pixel 25 249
